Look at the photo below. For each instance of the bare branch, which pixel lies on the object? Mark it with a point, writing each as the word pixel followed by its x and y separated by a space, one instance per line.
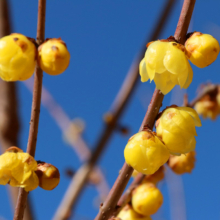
pixel 109 207
pixel 35 111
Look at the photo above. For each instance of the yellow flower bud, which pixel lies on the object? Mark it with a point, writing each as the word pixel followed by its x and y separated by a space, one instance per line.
pixel 53 56
pixel 17 169
pixel 145 152
pixel 166 63
pixel 202 49
pixel 156 177
pixel 127 213
pixel 17 57
pixel 147 199
pixel 49 176
pixel 176 127
pixel 208 107
pixel 183 163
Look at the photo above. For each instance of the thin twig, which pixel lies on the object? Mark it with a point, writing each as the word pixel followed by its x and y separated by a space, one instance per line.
pixel 9 121
pixel 109 207
pixel 35 111
pixel 79 180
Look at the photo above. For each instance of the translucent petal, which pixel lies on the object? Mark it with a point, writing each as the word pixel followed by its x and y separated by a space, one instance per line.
pixel 31 183
pixel 154 57
pixel 194 115
pixel 189 78
pixel 143 71
pixel 175 61
pixel 150 72
pixel 189 123
pixel 163 82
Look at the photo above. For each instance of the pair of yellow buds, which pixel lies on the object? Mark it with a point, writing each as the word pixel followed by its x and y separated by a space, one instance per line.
pixel 18 56
pixel 166 61
pixel 146 151
pixel 19 169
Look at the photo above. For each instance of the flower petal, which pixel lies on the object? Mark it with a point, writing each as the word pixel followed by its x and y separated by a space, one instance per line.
pixel 143 71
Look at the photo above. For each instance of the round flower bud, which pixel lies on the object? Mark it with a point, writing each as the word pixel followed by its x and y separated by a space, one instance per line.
pixel 127 213
pixel 17 57
pixel 145 152
pixel 156 177
pixel 147 199
pixel 53 56
pixel 202 49
pixel 166 63
pixel 176 127
pixel 49 176
pixel 208 106
pixel 183 163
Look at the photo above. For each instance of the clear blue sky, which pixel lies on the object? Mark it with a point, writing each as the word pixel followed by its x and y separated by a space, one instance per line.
pixel 103 38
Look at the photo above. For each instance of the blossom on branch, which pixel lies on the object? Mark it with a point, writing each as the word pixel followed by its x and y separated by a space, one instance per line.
pixel 17 169
pixel 166 63
pixel 17 57
pixel 145 152
pixel 176 127
pixel 202 49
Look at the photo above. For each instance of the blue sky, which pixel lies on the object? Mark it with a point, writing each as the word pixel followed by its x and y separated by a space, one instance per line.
pixel 103 38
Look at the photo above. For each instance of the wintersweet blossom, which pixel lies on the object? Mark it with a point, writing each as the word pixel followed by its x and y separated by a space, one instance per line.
pixel 145 152
pixel 166 63
pixel 176 127
pixel 17 169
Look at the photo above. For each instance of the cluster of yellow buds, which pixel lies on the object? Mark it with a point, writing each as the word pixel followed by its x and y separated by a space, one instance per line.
pixel 166 61
pixel 18 56
pixel 145 152
pixel 209 105
pixel 19 169
pixel 175 134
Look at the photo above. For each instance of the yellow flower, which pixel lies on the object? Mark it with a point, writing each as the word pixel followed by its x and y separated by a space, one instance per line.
pixel 166 63
pixel 208 106
pixel 145 152
pixel 147 199
pixel 17 57
pixel 183 163
pixel 49 176
pixel 53 56
pixel 17 169
pixel 176 127
pixel 127 213
pixel 202 49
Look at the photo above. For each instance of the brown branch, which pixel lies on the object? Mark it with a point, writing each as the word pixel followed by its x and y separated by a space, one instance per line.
pixel 79 180
pixel 9 121
pixel 109 207
pixel 35 111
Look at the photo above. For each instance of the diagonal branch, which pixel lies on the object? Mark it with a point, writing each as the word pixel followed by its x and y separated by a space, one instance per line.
pixel 79 180
pixel 35 111
pixel 110 205
pixel 9 126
